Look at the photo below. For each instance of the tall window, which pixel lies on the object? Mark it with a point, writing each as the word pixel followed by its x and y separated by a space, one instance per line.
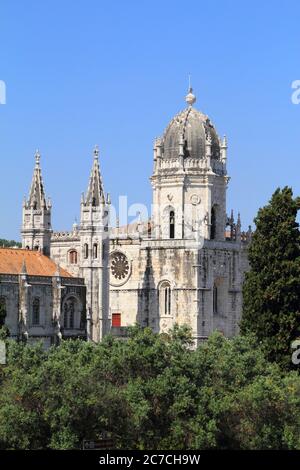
pixel 36 311
pixel 172 224
pixel 213 224
pixel 215 299
pixel 95 250
pixel 69 313
pixel 73 257
pixel 165 298
pixel 2 310
pixel 86 251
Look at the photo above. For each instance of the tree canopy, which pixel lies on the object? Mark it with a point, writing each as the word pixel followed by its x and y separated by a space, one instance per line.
pixel 148 392
pixel 9 243
pixel 271 294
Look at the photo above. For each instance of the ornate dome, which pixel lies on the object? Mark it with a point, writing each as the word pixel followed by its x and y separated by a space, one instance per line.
pixel 194 127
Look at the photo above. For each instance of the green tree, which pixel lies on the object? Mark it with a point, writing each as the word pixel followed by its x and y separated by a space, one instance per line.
pixel 149 392
pixel 9 243
pixel 271 293
pixel 244 401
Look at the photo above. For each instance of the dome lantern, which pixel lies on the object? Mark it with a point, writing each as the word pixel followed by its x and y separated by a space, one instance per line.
pixel 190 97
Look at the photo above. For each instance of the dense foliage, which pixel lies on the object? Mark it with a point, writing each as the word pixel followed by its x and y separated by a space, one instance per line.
pixel 272 287
pixel 9 243
pixel 148 392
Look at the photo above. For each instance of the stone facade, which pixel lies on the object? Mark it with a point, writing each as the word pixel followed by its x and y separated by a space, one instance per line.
pixel 38 306
pixel 185 265
pixel 189 268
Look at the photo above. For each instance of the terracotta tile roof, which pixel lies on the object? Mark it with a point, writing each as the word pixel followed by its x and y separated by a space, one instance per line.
pixel 37 264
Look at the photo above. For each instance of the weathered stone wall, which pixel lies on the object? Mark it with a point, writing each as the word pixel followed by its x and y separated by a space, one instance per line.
pixel 19 293
pixel 192 276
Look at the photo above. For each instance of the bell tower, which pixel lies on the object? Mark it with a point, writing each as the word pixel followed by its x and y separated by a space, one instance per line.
pixel 36 224
pixel 189 179
pixel 94 246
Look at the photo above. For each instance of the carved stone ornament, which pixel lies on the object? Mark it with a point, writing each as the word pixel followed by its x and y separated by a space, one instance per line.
pixel 120 268
pixel 195 199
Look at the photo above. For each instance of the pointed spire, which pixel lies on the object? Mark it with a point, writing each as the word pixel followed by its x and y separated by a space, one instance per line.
pixel 37 157
pixel 75 224
pixel 37 198
pixel 223 147
pixel 24 269
pixel 96 151
pixel 95 193
pixel 57 272
pixel 231 216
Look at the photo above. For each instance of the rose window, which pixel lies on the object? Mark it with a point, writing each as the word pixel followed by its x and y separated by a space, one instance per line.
pixel 119 266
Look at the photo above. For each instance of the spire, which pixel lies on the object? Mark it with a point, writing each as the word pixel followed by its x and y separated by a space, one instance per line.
pixel 37 198
pixel 57 272
pixel 95 193
pixel 24 269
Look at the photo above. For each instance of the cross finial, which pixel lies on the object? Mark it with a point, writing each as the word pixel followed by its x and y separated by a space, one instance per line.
pixel 190 97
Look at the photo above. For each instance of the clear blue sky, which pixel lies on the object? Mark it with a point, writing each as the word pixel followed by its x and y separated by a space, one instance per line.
pixel 115 72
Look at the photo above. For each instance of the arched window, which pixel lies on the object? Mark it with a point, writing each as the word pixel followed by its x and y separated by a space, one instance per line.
pixel 36 248
pixel 73 257
pixel 66 321
pixel 172 224
pixel 36 311
pixel 2 310
pixel 27 247
pixel 69 313
pixel 165 299
pixel 95 250
pixel 213 224
pixel 86 251
pixel 215 299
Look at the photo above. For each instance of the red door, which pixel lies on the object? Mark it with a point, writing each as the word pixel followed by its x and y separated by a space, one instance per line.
pixel 116 319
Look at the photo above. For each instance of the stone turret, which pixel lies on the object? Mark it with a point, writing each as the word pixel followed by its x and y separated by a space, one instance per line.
pixel 94 246
pixel 36 224
pixel 189 180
